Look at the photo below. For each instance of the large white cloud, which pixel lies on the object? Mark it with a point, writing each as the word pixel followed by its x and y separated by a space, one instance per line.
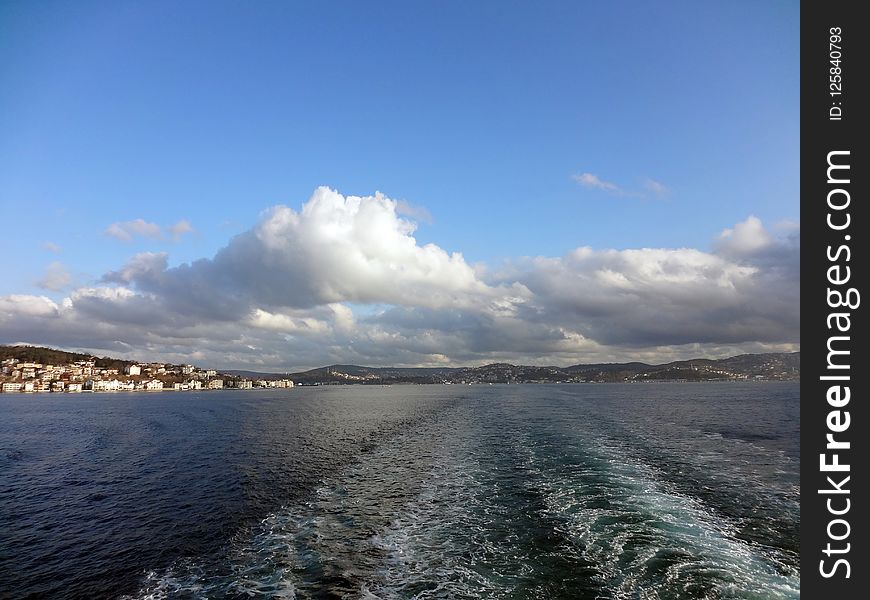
pixel 655 296
pixel 336 249
pixel 22 306
pixel 344 280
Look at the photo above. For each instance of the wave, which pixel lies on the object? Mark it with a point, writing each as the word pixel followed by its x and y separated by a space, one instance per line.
pixel 488 503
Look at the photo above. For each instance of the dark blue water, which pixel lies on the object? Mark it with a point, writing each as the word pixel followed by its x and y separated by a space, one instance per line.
pixel 530 491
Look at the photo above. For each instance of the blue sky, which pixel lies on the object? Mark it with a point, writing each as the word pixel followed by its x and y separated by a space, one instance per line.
pixel 484 115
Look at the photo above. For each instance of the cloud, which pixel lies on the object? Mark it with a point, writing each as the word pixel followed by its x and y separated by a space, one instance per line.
pixel 655 187
pixel 127 230
pixel 787 226
pixel 649 187
pixel 592 181
pixel 744 239
pixel 179 229
pixel 657 296
pixel 56 277
pixel 343 280
pixel 24 306
pixel 418 213
pixel 52 247
pixel 336 249
pixel 141 265
pixel 287 323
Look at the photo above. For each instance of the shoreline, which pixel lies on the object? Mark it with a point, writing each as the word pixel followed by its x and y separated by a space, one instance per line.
pixel 370 385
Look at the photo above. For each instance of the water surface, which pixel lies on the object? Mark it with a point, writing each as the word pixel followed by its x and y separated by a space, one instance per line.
pixel 529 491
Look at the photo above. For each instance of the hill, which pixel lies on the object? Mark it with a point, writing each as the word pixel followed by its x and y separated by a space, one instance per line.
pixel 50 356
pixel 773 366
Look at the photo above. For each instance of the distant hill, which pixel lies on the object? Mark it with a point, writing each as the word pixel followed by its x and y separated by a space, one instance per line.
pixel 773 366
pixel 50 356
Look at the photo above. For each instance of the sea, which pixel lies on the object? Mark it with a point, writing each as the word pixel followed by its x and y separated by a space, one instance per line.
pixel 586 491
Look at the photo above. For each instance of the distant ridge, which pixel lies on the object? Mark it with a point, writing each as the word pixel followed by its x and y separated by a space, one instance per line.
pixel 777 366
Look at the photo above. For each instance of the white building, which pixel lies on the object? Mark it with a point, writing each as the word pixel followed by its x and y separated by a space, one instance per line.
pixel 74 388
pixel 98 385
pixel 133 370
pixel 215 384
pixel 86 366
pixel 111 385
pixel 155 385
pixel 11 387
pixel 275 383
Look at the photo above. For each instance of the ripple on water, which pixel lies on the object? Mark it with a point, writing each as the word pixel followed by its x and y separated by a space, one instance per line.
pixel 534 492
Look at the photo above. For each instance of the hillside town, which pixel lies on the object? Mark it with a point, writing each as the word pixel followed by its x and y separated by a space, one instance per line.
pixel 87 376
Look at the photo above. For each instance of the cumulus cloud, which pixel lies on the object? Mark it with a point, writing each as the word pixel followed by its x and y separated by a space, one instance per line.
pixel 336 249
pixel 125 231
pixel 744 239
pixel 144 264
pixel 52 247
pixel 787 225
pixel 343 279
pixel 56 277
pixel 24 306
pixel 647 297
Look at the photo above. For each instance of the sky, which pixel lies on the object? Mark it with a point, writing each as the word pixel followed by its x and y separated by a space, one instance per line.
pixel 282 185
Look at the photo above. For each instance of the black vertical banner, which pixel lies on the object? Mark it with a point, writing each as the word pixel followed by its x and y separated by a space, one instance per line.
pixel 835 167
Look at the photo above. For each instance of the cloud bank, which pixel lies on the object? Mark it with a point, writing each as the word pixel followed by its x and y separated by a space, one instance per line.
pixel 344 280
